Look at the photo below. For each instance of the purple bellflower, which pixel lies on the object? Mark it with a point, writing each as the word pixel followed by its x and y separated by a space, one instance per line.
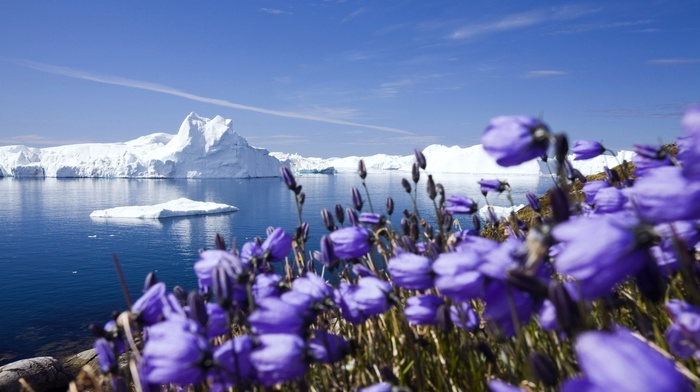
pixel 689 155
pixel 274 315
pixel 456 275
pixel 609 200
pixel 587 149
pixel 665 195
pixel 463 316
pixel 461 205
pixel 149 307
pixel 266 285
pixel 313 285
pixel 328 348
pixel 600 251
pixel 251 250
pixel 106 356
pixel 683 335
pixel 233 362
pixel 411 271
pixel 501 301
pixel 378 387
pixel 350 242
pixel 370 218
pixel 209 260
pixel 492 186
pixel 691 120
pixel 277 245
pixel 175 353
pixel 512 140
pixel 501 386
pixel 591 188
pixel 279 358
pixel 423 309
pixel 618 361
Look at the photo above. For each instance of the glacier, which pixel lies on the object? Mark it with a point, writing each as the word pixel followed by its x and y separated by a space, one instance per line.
pixel 174 208
pixel 210 148
pixel 202 148
pixel 444 159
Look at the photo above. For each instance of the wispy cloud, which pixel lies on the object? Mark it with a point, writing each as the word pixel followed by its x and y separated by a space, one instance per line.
pixel 38 140
pixel 277 140
pixel 674 61
pixel 353 15
pixel 669 110
pixel 390 89
pixel 519 21
pixel 545 73
pixel 142 85
pixel 583 28
pixel 275 11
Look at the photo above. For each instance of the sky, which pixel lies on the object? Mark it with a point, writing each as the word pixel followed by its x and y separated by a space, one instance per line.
pixel 343 77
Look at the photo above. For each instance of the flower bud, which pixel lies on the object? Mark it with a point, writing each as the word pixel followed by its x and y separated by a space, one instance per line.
pixel 180 294
pixel 389 206
pixel 476 222
pixel 432 192
pixel 352 216
pixel 198 309
pixel 420 158
pixel 150 281
pixel 561 147
pixel 559 204
pixel 415 173
pixel 569 316
pixel 339 214
pixel 533 201
pixel 357 199
pixel 301 197
pixel 288 177
pixel 543 368
pixel 429 231
pixel 219 242
pixel 405 226
pixel 327 219
pixel 406 185
pixel 362 169
pixel 522 281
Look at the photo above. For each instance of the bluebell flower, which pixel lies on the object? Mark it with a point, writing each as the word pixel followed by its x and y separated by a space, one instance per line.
pixel 372 296
pixel 590 189
pixel 362 271
pixel 312 285
pixel 665 195
pixel 378 387
pixel 501 303
pixel 487 186
pixel 326 255
pixel 587 149
pixel 266 285
pixel 608 200
pixel 215 258
pixel 277 245
pixel 251 250
pixel 423 309
pixel 420 158
pixel 105 356
pixel 274 315
pixel 326 347
pixel 463 316
pixel 689 156
pixel 174 352
pixel 370 218
pixel 512 140
pixel 461 205
pixel 683 335
pixel 456 275
pixel 279 358
pixel 600 251
pixel 149 307
pixel 411 271
pixel 618 361
pixel 233 362
pixel 217 321
pixel 350 242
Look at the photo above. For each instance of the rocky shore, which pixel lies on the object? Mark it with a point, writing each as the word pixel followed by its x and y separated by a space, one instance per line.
pixel 45 374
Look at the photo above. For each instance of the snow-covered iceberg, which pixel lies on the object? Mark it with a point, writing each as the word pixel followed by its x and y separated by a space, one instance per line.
pixel 178 207
pixel 202 148
pixel 443 159
pixel 500 212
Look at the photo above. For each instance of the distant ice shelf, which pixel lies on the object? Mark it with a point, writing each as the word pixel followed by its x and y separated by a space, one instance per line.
pixel 179 207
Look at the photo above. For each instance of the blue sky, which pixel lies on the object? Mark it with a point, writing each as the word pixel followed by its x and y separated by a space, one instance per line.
pixel 335 78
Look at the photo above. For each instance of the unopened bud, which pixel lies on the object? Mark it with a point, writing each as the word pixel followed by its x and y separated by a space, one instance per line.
pixel 389 206
pixel 362 169
pixel 406 185
pixel 415 173
pixel 328 219
pixel 420 158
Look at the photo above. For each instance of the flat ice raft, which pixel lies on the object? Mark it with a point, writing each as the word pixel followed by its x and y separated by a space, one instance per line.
pixel 179 207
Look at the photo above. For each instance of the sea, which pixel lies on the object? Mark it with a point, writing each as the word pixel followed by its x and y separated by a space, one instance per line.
pixel 56 270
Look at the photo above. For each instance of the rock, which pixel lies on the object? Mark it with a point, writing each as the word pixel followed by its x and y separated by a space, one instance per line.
pixel 74 363
pixel 41 373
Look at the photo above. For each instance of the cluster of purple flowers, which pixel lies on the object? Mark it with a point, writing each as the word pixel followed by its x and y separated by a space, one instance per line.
pixel 259 319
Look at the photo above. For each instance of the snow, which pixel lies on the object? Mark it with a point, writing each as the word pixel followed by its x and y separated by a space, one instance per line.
pixel 202 148
pixel 173 208
pixel 443 159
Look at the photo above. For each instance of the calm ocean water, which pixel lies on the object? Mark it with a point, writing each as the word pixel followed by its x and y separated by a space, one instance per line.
pixel 56 270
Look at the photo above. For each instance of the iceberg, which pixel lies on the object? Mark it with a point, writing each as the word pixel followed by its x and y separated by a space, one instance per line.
pixel 202 148
pixel 500 212
pixel 448 160
pixel 178 207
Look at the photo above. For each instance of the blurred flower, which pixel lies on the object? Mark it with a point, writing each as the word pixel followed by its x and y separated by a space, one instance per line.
pixel 233 361
pixel 591 188
pixel 492 186
pixel 501 386
pixel 357 201
pixel 420 158
pixel 587 149
pixel 277 245
pixel 533 201
pixel 288 177
pixel 683 335
pixel 456 275
pixel 312 285
pixel 276 316
pixel 149 307
pixel 175 353
pixel 609 200
pixel 266 285
pixel 279 358
pixel 350 242
pixel 105 356
pixel 665 195
pixel 378 387
pixel 326 255
pixel 211 259
pixel 600 251
pixel 617 361
pixel 464 316
pixel 422 309
pixel 411 271
pixel 512 140
pixel 328 348
pixel 503 303
pixel 689 155
pixel 461 205
pixel 691 120
pixel 370 218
